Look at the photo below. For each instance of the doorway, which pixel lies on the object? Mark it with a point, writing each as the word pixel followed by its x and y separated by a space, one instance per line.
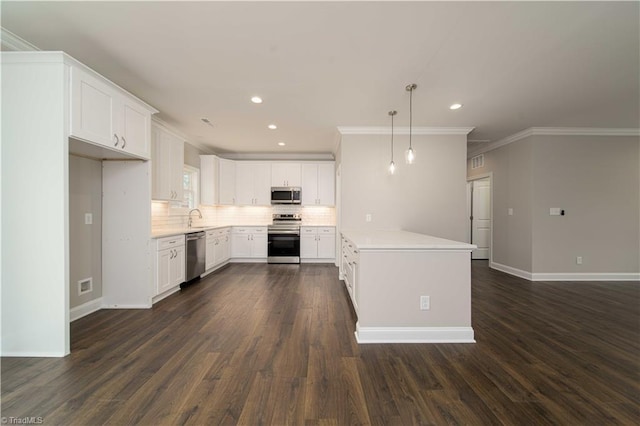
pixel 480 223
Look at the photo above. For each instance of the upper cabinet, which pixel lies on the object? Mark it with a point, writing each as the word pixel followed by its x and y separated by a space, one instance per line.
pixel 103 114
pixel 167 163
pixel 286 174
pixel 217 181
pixel 227 183
pixel 253 183
pixel 318 184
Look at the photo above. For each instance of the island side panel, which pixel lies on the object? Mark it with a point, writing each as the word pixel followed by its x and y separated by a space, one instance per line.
pixel 390 284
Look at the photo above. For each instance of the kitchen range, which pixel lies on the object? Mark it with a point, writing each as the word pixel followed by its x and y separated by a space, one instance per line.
pixel 284 238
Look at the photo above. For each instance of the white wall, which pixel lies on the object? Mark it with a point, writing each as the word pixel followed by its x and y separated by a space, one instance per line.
pixel 595 179
pixel 427 197
pixel 35 268
pixel 85 241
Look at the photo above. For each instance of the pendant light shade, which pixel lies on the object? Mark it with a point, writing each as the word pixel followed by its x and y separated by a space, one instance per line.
pixel 392 165
pixel 410 154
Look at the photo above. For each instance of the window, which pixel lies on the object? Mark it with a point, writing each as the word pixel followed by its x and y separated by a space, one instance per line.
pixel 190 194
pixel 190 179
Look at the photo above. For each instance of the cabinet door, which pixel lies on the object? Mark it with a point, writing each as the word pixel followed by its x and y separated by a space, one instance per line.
pixel 240 245
pixel 160 167
pixel 134 128
pixel 309 246
pixel 261 185
pixel 326 246
pixel 226 247
pixel 176 147
pixel 259 246
pixel 92 109
pixel 209 255
pixel 326 184
pixel 163 280
pixel 309 184
pixel 244 183
pixel 226 181
pixel 208 180
pixel 178 266
pixel 285 174
pixel 218 251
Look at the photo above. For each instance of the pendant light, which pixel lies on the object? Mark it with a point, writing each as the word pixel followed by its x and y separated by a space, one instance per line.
pixel 410 154
pixel 392 165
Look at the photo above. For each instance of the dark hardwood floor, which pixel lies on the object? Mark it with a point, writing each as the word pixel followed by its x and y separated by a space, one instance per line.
pixel 273 344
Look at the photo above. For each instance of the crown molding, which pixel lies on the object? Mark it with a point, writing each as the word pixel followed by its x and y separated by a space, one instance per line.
pixel 10 41
pixel 203 148
pixel 555 131
pixel 276 156
pixel 386 130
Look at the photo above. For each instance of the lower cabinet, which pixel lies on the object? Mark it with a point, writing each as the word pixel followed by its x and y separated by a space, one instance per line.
pixel 218 248
pixel 169 263
pixel 249 242
pixel 349 270
pixel 318 242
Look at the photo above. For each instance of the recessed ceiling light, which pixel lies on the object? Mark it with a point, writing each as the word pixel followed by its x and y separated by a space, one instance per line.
pixel 281 143
pixel 256 100
pixel 455 106
pixel 272 126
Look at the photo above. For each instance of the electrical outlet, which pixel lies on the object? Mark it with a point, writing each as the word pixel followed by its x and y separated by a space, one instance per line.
pixel 367 217
pixel 88 218
pixel 425 303
pixel 579 260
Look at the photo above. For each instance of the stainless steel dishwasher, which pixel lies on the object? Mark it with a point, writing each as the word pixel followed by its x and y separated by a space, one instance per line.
pixel 195 254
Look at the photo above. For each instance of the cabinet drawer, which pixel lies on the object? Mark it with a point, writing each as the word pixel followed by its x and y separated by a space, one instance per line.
pixel 169 242
pixel 250 230
pixel 308 230
pixel 326 230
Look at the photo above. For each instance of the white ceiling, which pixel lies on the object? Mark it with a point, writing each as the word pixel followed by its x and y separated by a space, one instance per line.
pixel 320 65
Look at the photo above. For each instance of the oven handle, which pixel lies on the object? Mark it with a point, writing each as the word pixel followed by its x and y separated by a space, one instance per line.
pixel 284 232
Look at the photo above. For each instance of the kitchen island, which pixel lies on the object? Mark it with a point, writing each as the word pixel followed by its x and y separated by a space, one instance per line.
pixel 407 287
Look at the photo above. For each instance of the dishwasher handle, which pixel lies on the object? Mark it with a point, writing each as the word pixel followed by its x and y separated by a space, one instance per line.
pixel 196 236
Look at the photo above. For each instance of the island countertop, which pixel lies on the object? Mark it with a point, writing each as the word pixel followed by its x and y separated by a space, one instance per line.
pixel 401 240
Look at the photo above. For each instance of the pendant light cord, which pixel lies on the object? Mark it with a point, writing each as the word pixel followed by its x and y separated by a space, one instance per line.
pixel 391 136
pixel 410 114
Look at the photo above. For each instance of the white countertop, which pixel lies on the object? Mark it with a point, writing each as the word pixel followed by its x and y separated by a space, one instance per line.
pixel 160 233
pixel 401 240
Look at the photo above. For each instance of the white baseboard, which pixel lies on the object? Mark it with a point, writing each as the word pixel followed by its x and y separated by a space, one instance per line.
pixel 332 261
pixel 248 260
pixel 414 334
pixel 594 276
pixel 511 271
pixel 127 306
pixel 166 294
pixel 567 276
pixel 34 354
pixel 215 268
pixel 85 309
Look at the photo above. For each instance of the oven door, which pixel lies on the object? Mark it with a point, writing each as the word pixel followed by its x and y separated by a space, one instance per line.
pixel 283 247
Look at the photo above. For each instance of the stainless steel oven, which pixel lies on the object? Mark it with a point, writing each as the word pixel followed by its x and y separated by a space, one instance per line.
pixel 284 239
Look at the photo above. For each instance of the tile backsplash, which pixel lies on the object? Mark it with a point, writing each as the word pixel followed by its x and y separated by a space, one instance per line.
pixel 162 217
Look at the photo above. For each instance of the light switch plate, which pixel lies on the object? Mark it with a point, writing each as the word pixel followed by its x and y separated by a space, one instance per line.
pixel 88 218
pixel 510 211
pixel 555 211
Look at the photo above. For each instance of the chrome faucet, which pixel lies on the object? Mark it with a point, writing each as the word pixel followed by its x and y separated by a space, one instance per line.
pixel 191 220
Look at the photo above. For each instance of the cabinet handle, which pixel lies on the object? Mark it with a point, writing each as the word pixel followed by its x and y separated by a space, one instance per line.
pixel 124 142
pixel 117 140
pixel 171 254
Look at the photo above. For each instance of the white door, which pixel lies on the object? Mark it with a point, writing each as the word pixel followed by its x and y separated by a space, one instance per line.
pixel 481 218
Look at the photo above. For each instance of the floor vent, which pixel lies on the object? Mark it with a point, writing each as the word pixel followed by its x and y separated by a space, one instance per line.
pixel 85 286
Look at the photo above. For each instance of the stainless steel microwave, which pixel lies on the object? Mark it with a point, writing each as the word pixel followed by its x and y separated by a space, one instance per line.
pixel 286 195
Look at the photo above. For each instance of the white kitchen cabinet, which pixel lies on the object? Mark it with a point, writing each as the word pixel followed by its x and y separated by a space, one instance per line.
pixel 349 270
pixel 318 184
pixel 227 182
pixel 249 242
pixel 167 163
pixel 217 181
pixel 318 242
pixel 217 252
pixel 102 114
pixel 286 174
pixel 253 180
pixel 170 263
